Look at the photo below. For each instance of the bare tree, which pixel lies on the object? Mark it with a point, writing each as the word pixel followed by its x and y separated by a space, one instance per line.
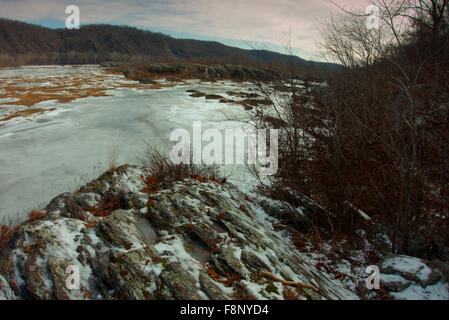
pixel 370 138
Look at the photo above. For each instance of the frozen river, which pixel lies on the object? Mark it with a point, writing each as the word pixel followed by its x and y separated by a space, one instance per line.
pixel 47 153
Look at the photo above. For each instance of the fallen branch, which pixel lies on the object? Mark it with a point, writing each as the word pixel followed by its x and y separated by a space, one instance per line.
pixel 289 283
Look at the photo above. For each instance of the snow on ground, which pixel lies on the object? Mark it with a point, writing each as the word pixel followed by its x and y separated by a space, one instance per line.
pixel 439 291
pixel 404 277
pixel 45 154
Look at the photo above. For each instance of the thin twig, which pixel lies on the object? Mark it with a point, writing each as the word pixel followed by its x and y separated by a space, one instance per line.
pixel 289 283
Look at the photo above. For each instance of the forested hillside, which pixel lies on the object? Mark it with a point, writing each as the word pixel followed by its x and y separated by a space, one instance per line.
pixel 22 43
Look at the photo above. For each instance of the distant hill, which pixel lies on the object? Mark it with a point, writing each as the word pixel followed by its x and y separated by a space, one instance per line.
pixel 31 44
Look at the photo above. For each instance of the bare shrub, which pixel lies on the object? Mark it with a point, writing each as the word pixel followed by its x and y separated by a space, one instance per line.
pixel 163 171
pixel 375 136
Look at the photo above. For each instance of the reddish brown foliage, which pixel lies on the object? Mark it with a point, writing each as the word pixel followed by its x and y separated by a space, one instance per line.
pixel 28 248
pixel 246 296
pixel 35 215
pixel 158 259
pixel 230 279
pixel 197 178
pixel 124 273
pixel 213 274
pixel 244 210
pixel 151 184
pixel 290 294
pixel 91 224
pixel 108 204
pixel 5 235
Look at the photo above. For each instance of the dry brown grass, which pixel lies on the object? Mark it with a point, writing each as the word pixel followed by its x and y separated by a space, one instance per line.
pixel 35 215
pixel 24 113
pixel 30 91
pixel 163 170
pixel 40 94
pixel 161 85
pixel 27 93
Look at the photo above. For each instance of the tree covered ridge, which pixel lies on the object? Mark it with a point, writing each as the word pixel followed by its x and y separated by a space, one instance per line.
pixel 22 43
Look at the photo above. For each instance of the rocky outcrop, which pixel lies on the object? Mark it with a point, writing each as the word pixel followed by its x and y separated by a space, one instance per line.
pixel 149 73
pixel 197 239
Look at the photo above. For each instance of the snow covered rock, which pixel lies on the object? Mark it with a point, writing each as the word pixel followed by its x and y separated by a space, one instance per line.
pixel 6 292
pixel 193 240
pixel 410 268
pixel 394 282
pixel 412 278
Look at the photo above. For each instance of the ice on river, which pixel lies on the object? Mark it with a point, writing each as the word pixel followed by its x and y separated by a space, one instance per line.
pixel 46 154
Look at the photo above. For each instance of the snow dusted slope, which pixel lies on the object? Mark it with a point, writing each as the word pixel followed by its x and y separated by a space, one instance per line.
pixel 193 240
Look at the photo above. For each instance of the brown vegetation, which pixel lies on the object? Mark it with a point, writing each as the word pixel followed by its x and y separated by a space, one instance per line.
pixel 35 215
pixel 108 204
pixel 163 171
pixel 376 138
pixel 5 235
pixel 26 112
pixel 288 283
pixel 24 91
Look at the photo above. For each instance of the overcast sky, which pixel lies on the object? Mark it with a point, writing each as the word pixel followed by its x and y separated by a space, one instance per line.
pixel 234 22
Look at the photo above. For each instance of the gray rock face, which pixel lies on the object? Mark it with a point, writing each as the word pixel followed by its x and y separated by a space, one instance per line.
pixel 6 293
pixel 194 240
